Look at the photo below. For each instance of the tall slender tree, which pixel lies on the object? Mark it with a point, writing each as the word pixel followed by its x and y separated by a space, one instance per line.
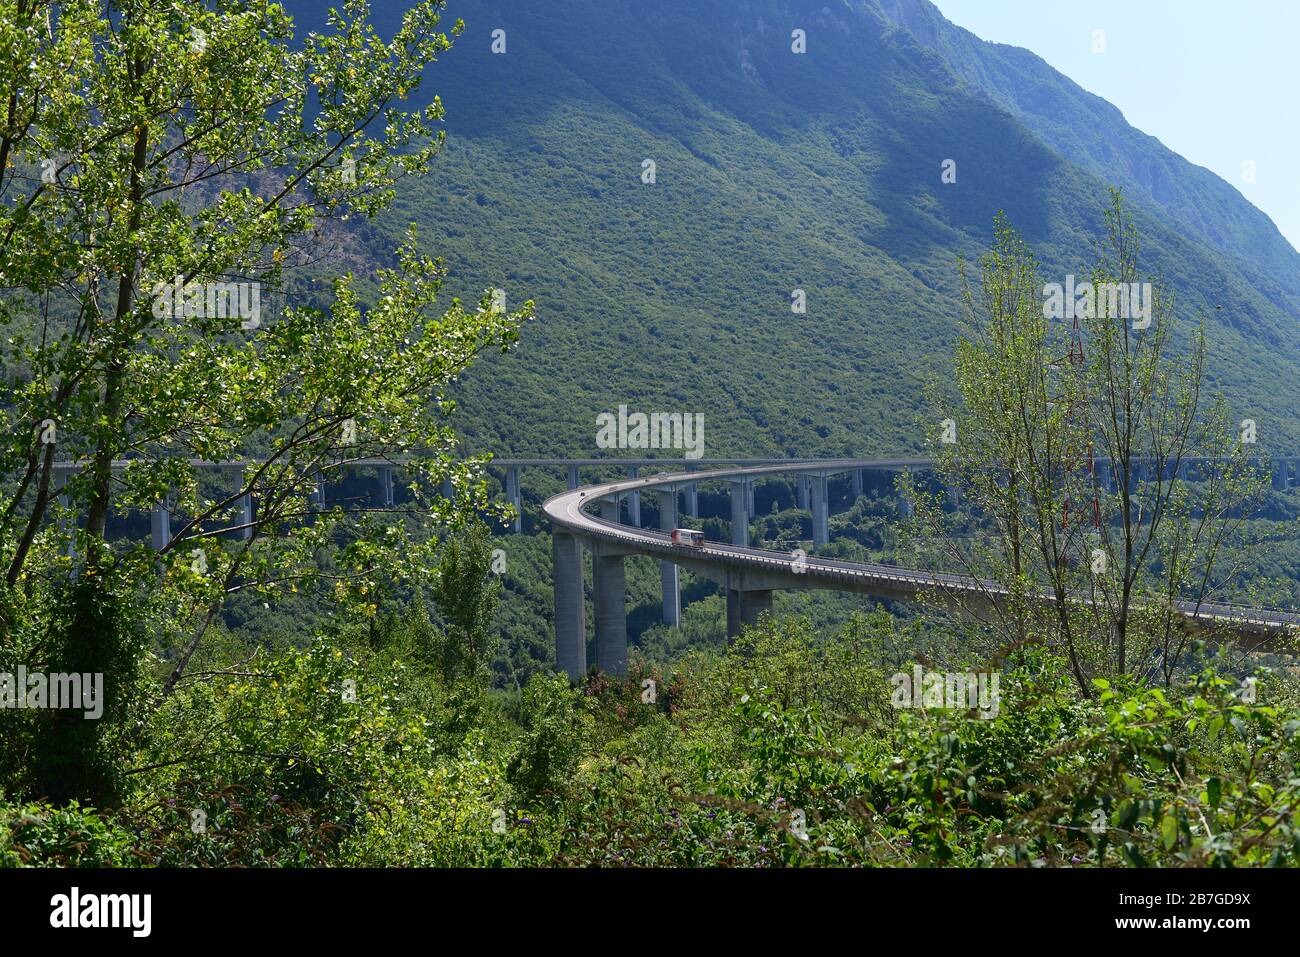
pixel 1070 437
pixel 163 165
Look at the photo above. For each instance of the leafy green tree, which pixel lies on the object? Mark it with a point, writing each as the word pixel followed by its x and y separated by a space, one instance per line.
pixel 164 165
pixel 555 733
pixel 466 592
pixel 1068 446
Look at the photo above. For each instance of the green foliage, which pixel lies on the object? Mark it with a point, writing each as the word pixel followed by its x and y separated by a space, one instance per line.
pixel 1070 446
pixel 555 728
pixel 369 736
pixel 203 146
pixel 57 754
pixel 466 593
pixel 775 171
pixel 45 835
pixel 784 750
pixel 327 756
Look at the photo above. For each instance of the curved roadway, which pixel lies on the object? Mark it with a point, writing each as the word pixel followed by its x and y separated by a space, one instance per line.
pixel 779 570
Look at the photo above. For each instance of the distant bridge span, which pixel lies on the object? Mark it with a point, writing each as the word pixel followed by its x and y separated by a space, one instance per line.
pixel 750 575
pixel 747 575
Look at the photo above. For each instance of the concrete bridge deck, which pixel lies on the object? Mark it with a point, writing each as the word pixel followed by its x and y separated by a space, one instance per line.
pixel 749 575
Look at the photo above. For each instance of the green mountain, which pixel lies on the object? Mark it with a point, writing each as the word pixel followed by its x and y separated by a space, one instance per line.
pixel 777 171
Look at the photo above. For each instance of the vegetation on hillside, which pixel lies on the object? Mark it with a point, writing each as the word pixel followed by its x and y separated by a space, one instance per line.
pixel 778 171
pixel 362 684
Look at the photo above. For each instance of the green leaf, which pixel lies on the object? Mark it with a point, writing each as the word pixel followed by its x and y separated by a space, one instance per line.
pixel 1169 831
pixel 1216 725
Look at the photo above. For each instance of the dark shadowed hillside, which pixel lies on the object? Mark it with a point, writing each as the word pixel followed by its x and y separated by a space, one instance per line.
pixel 778 171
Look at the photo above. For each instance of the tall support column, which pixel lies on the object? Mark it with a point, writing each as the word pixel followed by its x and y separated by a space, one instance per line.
pixel 752 605
pixel 750 505
pixel 1281 474
pixel 160 524
pixel 516 502
pixel 803 493
pixel 611 614
pixel 246 517
pixel 739 514
pixel 573 477
pixel 857 484
pixel 668 573
pixel 905 503
pixel 387 487
pixel 692 500
pixel 1105 474
pixel 820 511
pixel 744 608
pixel 633 501
pixel 611 603
pixel 570 609
pixel 61 480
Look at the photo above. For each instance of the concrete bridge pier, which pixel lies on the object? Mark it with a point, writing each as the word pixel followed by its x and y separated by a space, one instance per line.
pixel 246 517
pixel 611 614
pixel 573 477
pixel 904 503
pixel 633 501
pixel 802 492
pixel 515 499
pixel 570 608
pixel 857 484
pixel 61 480
pixel 1104 473
pixel 739 513
pixel 610 583
pixel 744 606
pixel 750 507
pixel 387 488
pixel 668 572
pixel 1281 474
pixel 160 524
pixel 691 500
pixel 820 511
pixel 953 494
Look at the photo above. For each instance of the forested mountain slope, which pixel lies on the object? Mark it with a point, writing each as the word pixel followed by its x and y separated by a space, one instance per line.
pixel 778 171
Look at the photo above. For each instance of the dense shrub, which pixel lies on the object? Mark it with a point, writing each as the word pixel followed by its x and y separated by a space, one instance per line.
pixel 42 835
pixel 782 750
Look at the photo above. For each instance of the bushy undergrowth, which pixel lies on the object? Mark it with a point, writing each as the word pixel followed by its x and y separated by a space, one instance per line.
pixel 784 750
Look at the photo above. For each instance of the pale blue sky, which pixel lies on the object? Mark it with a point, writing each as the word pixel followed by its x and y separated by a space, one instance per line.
pixel 1216 81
